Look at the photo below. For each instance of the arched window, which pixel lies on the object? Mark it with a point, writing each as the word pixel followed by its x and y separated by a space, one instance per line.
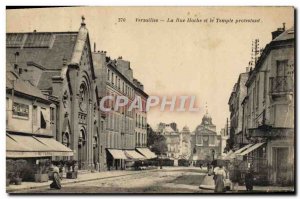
pixel 82 138
pixel 83 97
pixel 66 139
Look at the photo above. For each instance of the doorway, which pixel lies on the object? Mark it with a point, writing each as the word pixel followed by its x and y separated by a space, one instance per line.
pixel 81 149
pixel 280 160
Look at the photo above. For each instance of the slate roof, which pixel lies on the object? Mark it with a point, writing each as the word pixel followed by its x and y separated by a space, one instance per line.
pixel 22 86
pixel 47 53
pixel 49 57
pixel 286 35
pixel 45 82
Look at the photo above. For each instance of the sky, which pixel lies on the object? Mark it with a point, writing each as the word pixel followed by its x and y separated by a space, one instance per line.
pixel 179 58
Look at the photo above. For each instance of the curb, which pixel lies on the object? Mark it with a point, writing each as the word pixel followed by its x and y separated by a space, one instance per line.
pixel 206 187
pixel 72 182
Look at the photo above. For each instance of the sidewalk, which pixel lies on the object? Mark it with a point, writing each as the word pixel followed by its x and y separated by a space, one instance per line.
pixel 82 177
pixel 208 184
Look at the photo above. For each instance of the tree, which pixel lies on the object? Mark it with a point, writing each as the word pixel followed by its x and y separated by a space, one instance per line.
pixel 156 142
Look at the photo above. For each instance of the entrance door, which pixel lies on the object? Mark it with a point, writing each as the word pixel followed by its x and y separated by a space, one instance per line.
pixel 81 149
pixel 280 157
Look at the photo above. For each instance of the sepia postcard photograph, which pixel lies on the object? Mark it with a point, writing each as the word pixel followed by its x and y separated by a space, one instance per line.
pixel 150 100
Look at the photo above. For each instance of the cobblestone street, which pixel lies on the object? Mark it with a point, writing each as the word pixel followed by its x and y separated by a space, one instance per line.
pixel 170 180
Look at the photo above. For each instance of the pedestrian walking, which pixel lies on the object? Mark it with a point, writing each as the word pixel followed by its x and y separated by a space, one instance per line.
pixel 249 178
pixel 235 177
pixel 208 168
pixel 55 177
pixel 219 176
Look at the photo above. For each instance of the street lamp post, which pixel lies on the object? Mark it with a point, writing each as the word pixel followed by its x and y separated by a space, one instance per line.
pixel 213 154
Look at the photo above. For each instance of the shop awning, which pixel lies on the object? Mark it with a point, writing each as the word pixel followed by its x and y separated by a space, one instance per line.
pixel 146 152
pixel 233 155
pixel 25 146
pixel 118 154
pixel 132 154
pixel 195 157
pixel 227 156
pixel 252 148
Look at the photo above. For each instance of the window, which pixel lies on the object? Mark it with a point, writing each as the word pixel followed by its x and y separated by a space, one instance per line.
pixel 38 40
pixel 43 121
pixel 66 139
pixel 265 85
pixel 34 115
pixel 108 74
pixel 52 114
pixel 112 78
pixel 14 40
pixel 281 68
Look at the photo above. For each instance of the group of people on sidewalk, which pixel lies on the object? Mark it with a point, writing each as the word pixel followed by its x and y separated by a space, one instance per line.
pixel 220 175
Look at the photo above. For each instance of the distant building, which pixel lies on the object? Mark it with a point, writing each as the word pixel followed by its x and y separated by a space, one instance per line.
pixel 207 143
pixel 185 143
pixel 224 137
pixel 161 126
pixel 172 141
pixel 238 94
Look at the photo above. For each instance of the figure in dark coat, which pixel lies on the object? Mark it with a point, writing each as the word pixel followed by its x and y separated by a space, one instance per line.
pixel 249 178
pixel 56 178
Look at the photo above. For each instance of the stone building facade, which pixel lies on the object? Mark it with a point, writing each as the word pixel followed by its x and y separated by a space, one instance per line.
pixel 30 122
pixel 207 143
pixel 124 129
pixel 173 142
pixel 60 65
pixel 237 138
pixel 268 113
pixel 185 143
pixel 270 110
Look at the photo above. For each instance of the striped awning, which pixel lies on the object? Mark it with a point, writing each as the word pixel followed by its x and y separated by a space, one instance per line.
pixel 25 146
pixel 252 148
pixel 146 152
pixel 132 154
pixel 118 154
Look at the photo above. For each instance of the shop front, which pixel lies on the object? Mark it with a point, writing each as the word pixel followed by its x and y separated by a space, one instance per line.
pixel 116 159
pixel 29 157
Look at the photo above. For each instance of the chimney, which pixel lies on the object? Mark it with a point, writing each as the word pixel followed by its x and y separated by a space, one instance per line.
pixel 82 21
pixel 94 46
pixel 277 32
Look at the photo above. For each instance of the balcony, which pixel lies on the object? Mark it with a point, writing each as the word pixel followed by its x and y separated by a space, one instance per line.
pixel 281 85
pixel 271 132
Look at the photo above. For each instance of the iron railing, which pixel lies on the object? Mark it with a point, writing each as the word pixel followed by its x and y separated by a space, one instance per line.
pixel 281 84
